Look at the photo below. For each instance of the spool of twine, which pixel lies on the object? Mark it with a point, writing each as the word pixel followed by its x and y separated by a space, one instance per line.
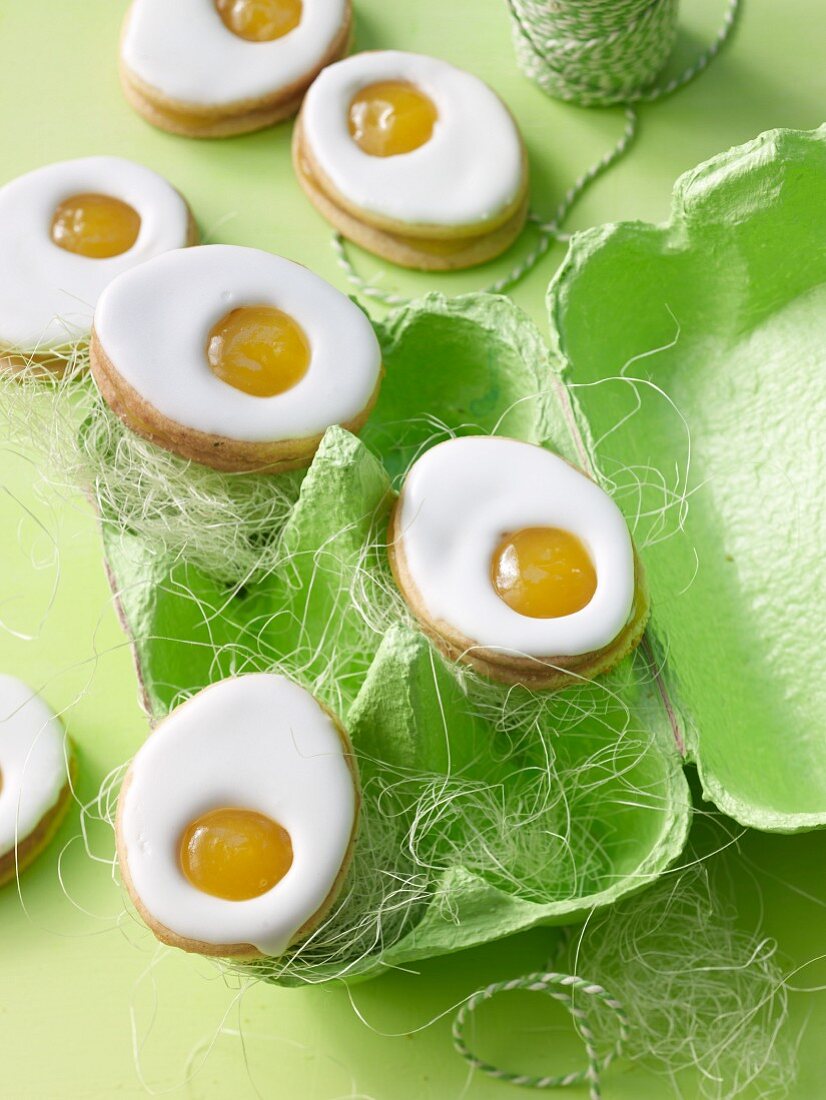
pixel 593 52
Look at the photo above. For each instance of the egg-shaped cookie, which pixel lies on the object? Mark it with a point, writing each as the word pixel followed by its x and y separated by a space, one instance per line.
pixel 413 159
pixel 237 818
pixel 67 230
pixel 233 357
pixel 211 68
pixel 517 563
pixel 35 785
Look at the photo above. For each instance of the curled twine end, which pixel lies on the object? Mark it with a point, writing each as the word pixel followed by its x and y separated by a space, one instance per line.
pixel 562 988
pixel 563 48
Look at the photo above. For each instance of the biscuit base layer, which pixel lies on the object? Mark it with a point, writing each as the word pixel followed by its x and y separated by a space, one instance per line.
pixel 29 847
pixel 539 673
pixel 53 364
pixel 237 118
pixel 444 253
pixel 219 452
pixel 241 951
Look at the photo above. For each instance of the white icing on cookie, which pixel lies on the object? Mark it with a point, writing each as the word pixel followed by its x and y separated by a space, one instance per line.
pixel 47 294
pixel 183 50
pixel 457 503
pixel 469 171
pixel 257 742
pixel 32 762
pixel 153 324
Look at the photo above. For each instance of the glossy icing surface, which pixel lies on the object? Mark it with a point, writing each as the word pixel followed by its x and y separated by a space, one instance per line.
pixel 183 50
pixel 48 294
pixel 32 761
pixel 262 743
pixel 543 572
pixel 97 226
pixel 458 502
pixel 260 20
pixel 259 350
pixel 467 173
pixel 234 853
pixel 390 118
pixel 154 324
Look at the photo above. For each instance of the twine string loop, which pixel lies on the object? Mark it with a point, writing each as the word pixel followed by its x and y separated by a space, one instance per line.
pixel 563 988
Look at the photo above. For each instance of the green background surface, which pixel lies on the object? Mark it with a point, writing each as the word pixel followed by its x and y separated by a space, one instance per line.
pixel 82 987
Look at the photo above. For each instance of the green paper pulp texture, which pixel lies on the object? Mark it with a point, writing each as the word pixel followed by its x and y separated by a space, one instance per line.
pixel 727 672
pixel 737 281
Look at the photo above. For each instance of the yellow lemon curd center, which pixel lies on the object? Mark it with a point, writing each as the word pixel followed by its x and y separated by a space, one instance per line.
pixel 235 854
pixel 391 117
pixel 260 20
pixel 258 349
pixel 94 225
pixel 543 572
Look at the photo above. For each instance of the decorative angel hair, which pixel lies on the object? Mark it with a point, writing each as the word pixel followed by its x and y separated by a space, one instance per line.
pixel 518 810
pixel 224 524
pixel 699 993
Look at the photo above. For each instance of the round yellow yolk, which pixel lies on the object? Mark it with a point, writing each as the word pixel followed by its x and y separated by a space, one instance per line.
pixel 235 854
pixel 260 20
pixel 97 226
pixel 258 349
pixel 543 572
pixel 391 117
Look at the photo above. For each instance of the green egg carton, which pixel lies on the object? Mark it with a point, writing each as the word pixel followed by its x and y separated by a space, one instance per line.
pixel 686 371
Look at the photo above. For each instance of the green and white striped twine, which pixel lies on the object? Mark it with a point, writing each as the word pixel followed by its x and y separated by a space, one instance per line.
pixel 597 53
pixel 562 988
pixel 594 53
